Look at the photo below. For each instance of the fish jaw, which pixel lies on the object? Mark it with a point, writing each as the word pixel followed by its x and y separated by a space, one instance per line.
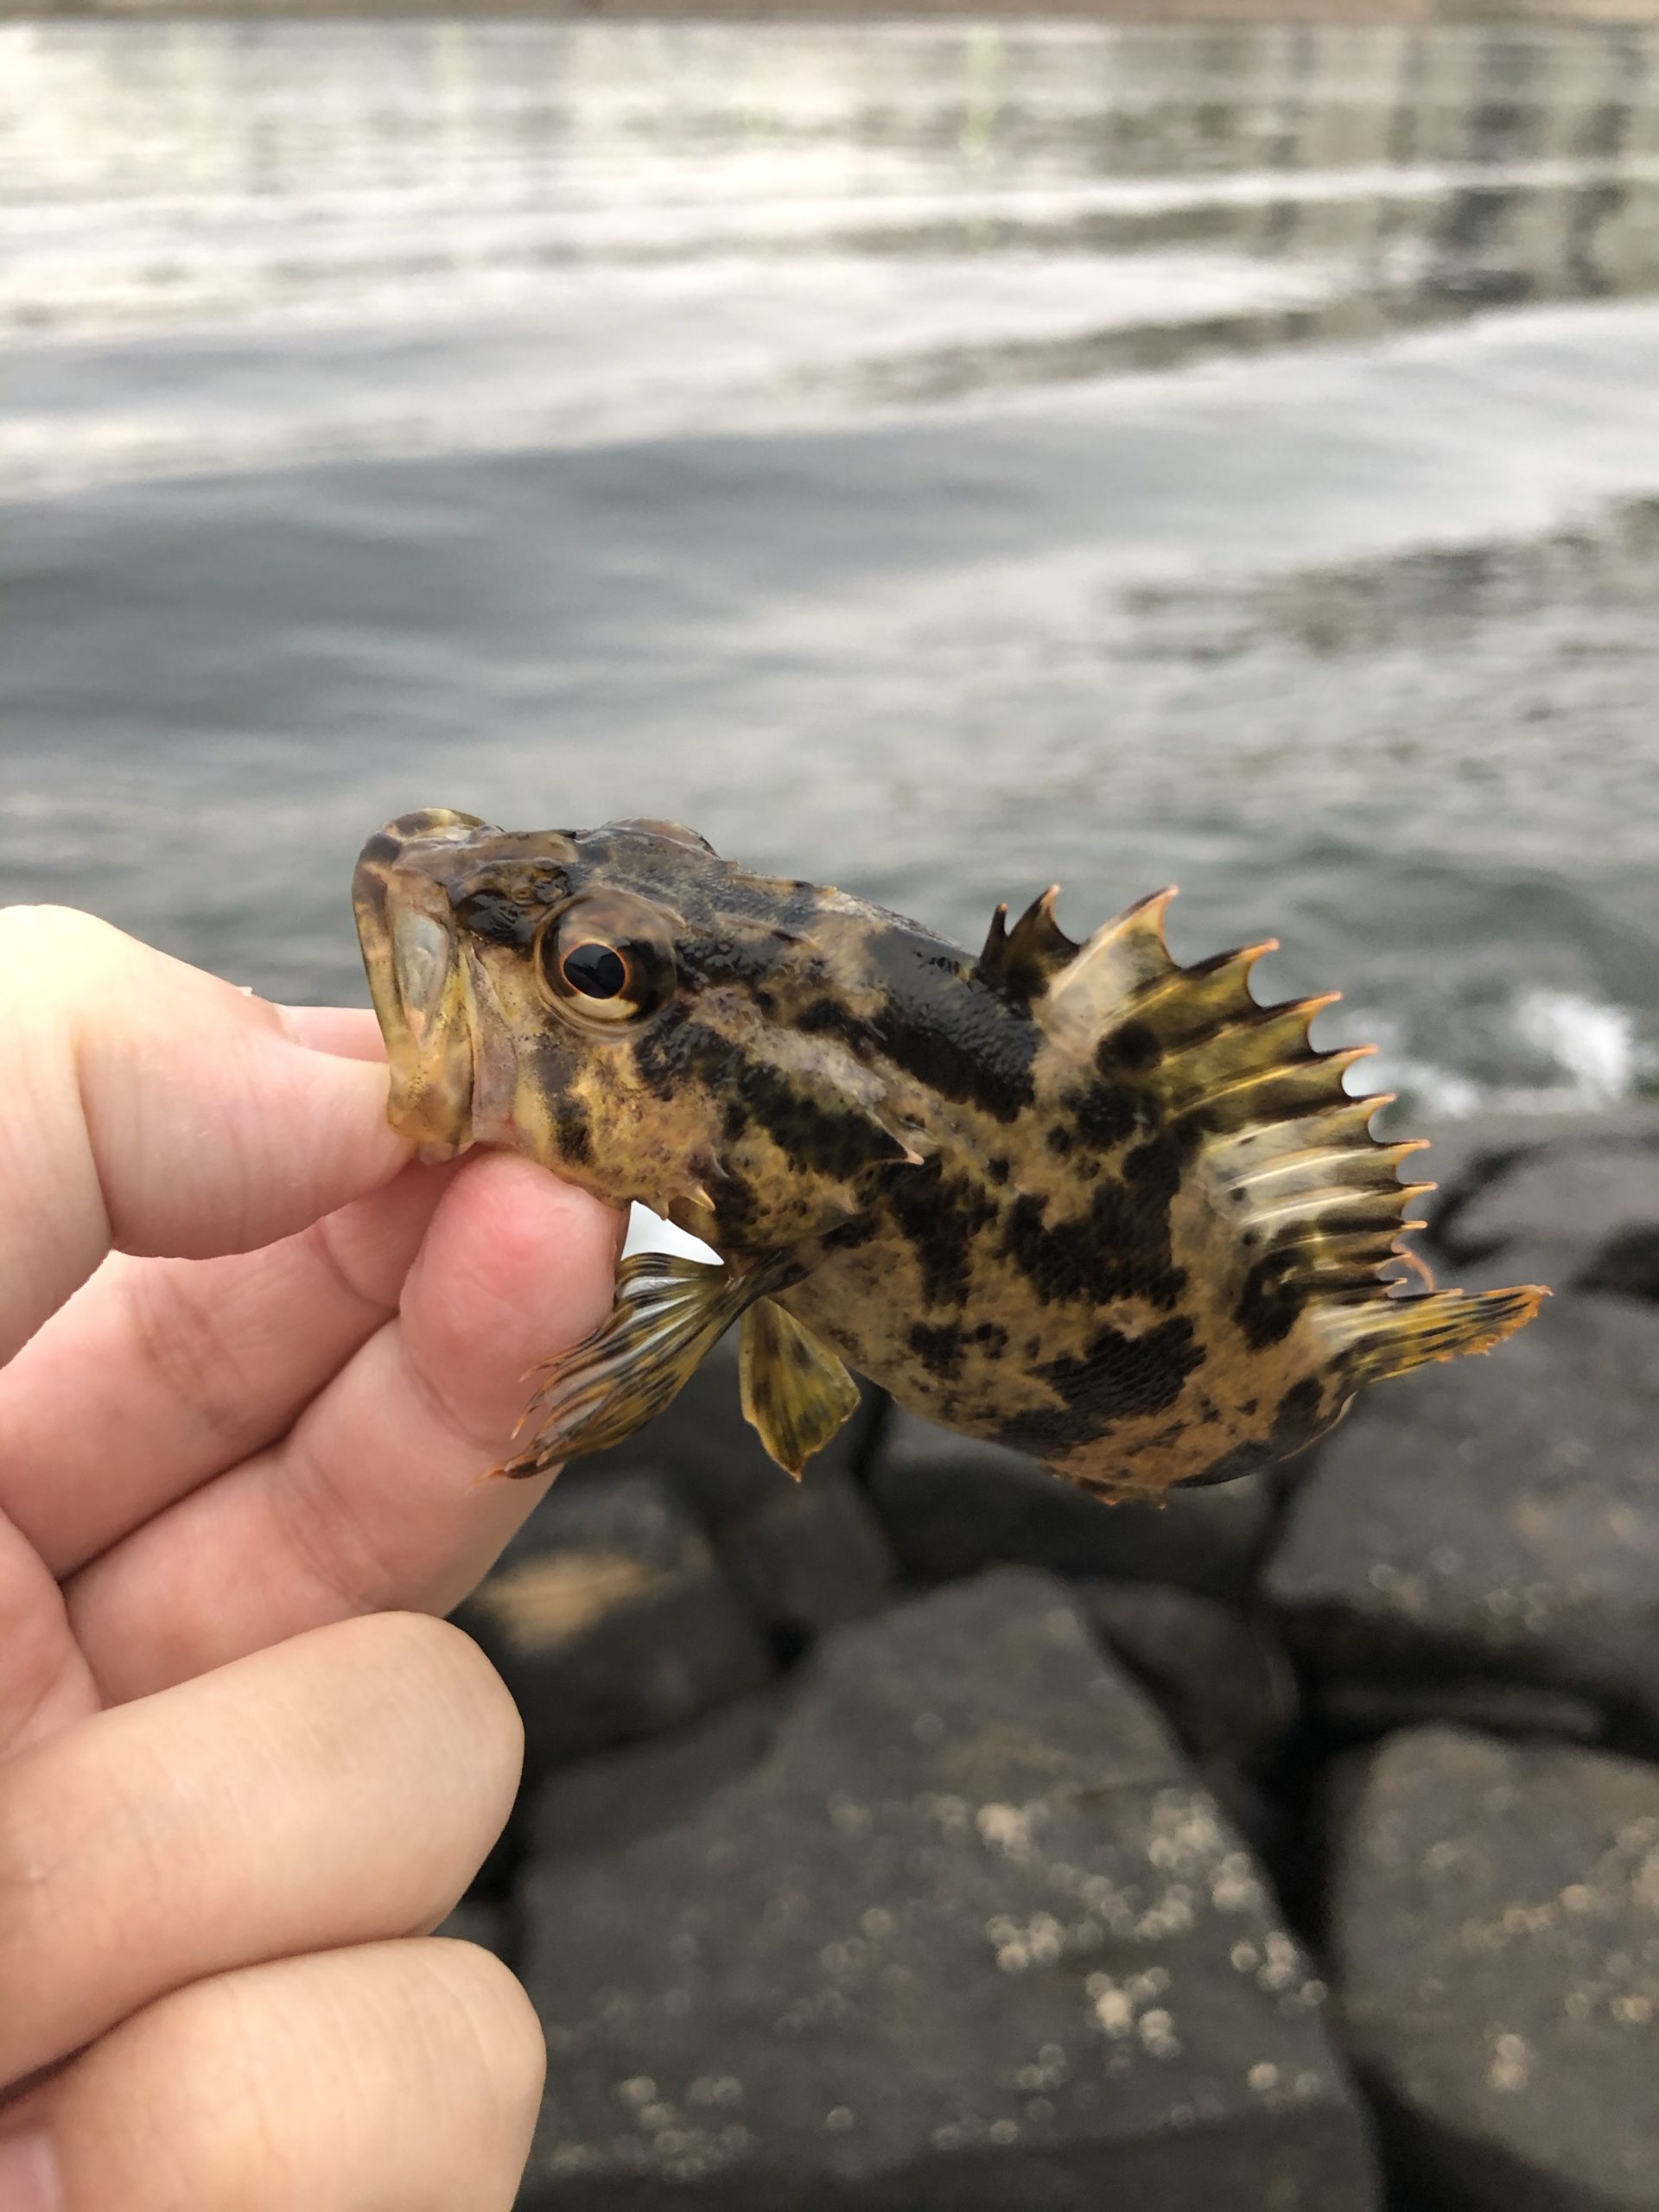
pixel 418 978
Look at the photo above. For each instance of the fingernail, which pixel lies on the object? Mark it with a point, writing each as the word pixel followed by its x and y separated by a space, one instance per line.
pixel 28 2173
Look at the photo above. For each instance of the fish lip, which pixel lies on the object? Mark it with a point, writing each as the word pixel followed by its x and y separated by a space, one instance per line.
pixel 417 977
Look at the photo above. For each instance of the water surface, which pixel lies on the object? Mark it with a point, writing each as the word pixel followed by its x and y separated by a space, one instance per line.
pixel 940 459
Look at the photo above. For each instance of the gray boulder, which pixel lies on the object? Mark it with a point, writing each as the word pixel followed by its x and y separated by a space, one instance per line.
pixel 956 1928
pixel 1570 1207
pixel 1495 1518
pixel 1377 1708
pixel 953 1505
pixel 1496 1929
pixel 807 1556
pixel 609 1617
pixel 1222 1680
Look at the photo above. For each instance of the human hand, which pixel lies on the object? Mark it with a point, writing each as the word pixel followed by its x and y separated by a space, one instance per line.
pixel 255 1359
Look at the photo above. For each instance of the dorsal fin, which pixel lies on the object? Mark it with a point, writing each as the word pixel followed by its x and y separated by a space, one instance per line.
pixel 1020 964
pixel 1082 988
pixel 1315 1200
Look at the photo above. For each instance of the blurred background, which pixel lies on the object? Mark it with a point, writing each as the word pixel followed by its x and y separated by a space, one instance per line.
pixel 944 456
pixel 940 458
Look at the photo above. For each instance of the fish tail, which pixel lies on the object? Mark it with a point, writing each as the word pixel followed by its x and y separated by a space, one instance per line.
pixel 1382 1336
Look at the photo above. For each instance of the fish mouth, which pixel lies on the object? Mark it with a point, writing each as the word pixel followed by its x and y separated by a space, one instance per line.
pixel 417 977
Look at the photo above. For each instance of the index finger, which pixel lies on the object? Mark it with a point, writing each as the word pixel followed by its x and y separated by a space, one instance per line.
pixel 148 1108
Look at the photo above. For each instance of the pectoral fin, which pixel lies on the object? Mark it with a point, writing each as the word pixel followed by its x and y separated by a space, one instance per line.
pixel 669 1313
pixel 796 1393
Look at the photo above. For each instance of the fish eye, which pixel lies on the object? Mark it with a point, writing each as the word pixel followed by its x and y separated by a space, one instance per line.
pixel 608 957
pixel 595 971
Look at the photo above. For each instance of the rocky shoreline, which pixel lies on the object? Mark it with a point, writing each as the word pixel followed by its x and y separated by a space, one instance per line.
pixel 929 1835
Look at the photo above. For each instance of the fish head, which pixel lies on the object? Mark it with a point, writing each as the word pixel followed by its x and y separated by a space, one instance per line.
pixel 628 1010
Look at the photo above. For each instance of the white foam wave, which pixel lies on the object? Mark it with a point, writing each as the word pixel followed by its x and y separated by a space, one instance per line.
pixel 1589 1054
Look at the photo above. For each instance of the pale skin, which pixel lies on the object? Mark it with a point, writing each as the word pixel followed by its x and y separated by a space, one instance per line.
pixel 254 1361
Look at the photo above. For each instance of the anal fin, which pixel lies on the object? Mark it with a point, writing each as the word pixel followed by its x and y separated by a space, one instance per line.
pixel 668 1313
pixel 796 1393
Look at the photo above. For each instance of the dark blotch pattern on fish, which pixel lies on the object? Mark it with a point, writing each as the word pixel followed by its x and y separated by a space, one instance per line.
pixel 949 1032
pixel 941 1215
pixel 1119 1377
pixel 1132 1044
pixel 1270 1299
pixel 942 1349
pixel 1119 1247
pixel 499 917
pixel 1104 1113
pixel 1298 1418
pixel 575 1131
pixel 817 1133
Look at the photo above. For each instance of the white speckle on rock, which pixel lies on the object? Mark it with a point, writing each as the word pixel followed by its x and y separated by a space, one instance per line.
pixel 1007 1828
pixel 1511 2066
pixel 1158 2036
pixel 1113 2011
pixel 715 2090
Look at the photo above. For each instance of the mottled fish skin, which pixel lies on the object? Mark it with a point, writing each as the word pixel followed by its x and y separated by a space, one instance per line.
pixel 1074 1198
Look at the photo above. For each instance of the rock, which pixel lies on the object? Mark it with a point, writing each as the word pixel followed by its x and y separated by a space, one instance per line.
pixel 1376 1708
pixel 952 1505
pixel 1469 1157
pixel 1627 1263
pixel 474 1921
pixel 1493 1518
pixel 1495 1926
pixel 711 1457
pixel 601 1803
pixel 1225 1682
pixel 609 1617
pixel 964 1934
pixel 1548 1212
pixel 809 1555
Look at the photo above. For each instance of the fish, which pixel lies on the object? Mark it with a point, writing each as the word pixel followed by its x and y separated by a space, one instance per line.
pixel 1071 1196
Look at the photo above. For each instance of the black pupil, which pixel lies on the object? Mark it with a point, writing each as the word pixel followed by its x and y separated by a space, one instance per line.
pixel 595 970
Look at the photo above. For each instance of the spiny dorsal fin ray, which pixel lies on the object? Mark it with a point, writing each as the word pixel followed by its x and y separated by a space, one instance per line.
pixel 1276 1093
pixel 1021 962
pixel 1335 1204
pixel 1344 1127
pixel 1318 1166
pixel 1267 1039
pixel 1188 1003
pixel 1096 987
